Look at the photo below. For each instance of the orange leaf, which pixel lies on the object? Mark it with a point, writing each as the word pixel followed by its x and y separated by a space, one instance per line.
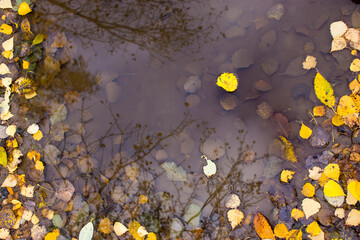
pixel 319 111
pixel 262 227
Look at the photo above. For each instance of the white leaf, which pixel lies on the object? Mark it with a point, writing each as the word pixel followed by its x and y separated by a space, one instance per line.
pixel 6 82
pixel 142 231
pixel 33 128
pixel 120 229
pixel 209 168
pixel 335 201
pixel 192 215
pixel 232 201
pixel 340 213
pixel 309 63
pixel 315 173
pixel 353 218
pixel 5 4
pixel 8 45
pixel 27 191
pixel 235 217
pixel 4 69
pixel 174 173
pixel 310 207
pixel 11 130
pixel 353 35
pixel 10 181
pixel 338 44
pixel 87 232
pixel 338 29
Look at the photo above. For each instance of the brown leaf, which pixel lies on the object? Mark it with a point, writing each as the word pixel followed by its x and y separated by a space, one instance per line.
pixel 262 227
pixel 281 124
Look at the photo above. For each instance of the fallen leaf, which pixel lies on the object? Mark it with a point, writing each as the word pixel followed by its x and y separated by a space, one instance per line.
pixel 305 131
pixel 354 52
pixel 310 62
pixel 310 207
pixel 324 91
pixel 210 167
pixel 142 199
pixel 354 189
pixel 313 229
pixel 337 29
pixel 315 173
pixel 340 213
pixel 227 81
pixel 280 230
pixel 120 229
pixel 235 217
pixel 333 189
pixel 353 35
pixel 25 64
pixel 151 236
pixel 353 218
pixel 10 181
pixel 132 171
pixel 286 175
pixel 23 9
pixel 105 226
pixel 354 86
pixel 38 39
pixel 174 173
pixel 33 128
pixel 297 214
pixel 332 171
pixel 3 157
pixel 289 150
pixel 319 111
pixel 337 120
pixel 295 234
pixel 355 65
pixel 346 106
pixel 4 69
pixel 142 231
pixel 5 4
pixel 11 130
pixel 38 135
pixel 281 123
pixel 133 230
pixel 27 191
pixel 308 190
pixel 262 227
pixel 232 201
pixel 338 44
pixel 5 28
pixel 39 166
pixel 8 45
pixel 87 232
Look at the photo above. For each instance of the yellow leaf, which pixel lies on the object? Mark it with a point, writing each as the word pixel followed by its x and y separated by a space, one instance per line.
pixel 39 166
pixel 332 171
pixel 52 235
pixel 24 9
pixel 333 189
pixel 151 236
pixel 346 106
pixel 286 175
pixel 337 120
pixel 354 86
pixel 262 227
pixel 25 64
pixel 305 131
pixel 8 54
pixel 354 189
pixel 319 111
pixel 105 226
pixel 25 26
pixel 355 65
pixel 354 156
pixel 308 190
pixel 3 156
pixel 227 81
pixel 33 155
pixel 324 91
pixel 142 199
pixel 38 135
pixel 5 28
pixel 133 230
pixel 297 214
pixel 295 234
pixel 235 216
pixel 313 229
pixel 38 39
pixel 338 44
pixel 280 230
pixel 354 52
pixel 289 150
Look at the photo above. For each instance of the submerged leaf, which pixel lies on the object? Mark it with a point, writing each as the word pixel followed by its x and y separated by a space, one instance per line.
pixel 174 173
pixel 38 39
pixel 289 150
pixel 324 91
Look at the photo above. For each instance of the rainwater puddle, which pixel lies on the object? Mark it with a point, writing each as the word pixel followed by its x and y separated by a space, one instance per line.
pixel 129 62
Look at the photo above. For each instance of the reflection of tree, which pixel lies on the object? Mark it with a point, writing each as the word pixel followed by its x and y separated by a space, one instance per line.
pixel 162 27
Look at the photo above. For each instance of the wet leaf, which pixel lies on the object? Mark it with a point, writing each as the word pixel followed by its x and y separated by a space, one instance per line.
pixel 354 86
pixel 309 63
pixel 120 229
pixel 105 226
pixel 319 111
pixel 192 215
pixel 10 181
pixel 133 230
pixel 305 131
pixel 353 218
pixel 86 233
pixel 232 201
pixel 7 218
pixel 355 65
pixel 4 69
pixel 297 214
pixel 210 167
pixel 11 130
pixel 338 44
pixel 280 230
pixel 24 9
pixel 333 189
pixel 227 81
pixel 337 29
pixel 335 201
pixel 340 213
pixel 52 235
pixel 142 231
pixel 337 120
pixel 235 217
pixel 315 173
pixel 8 45
pixel 262 227
pixel 308 190
pixel 3 157
pixel 289 150
pixel 354 189
pixel 39 166
pixel 332 171
pixel 313 229
pixel 142 199
pixel 33 128
pixel 324 91
pixel 346 106
pixel 27 191
pixel 295 234
pixel 25 64
pixel 286 175
pixel 5 4
pixel 310 207
pixel 281 123
pixel 5 28
pixel 38 39
pixel 38 135
pixel 174 173
pixel 59 115
pixel 151 236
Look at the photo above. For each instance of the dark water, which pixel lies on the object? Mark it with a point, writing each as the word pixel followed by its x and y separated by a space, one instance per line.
pixel 132 58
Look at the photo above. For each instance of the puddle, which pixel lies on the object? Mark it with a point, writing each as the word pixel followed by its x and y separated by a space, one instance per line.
pixel 130 61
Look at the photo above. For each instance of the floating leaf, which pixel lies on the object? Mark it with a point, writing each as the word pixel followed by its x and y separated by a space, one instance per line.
pixel 337 29
pixel 337 120
pixel 324 91
pixel 120 229
pixel 354 52
pixel 24 9
pixel 354 189
pixel 142 199
pixel 333 189
pixel 353 218
pixel 295 234
pixel 209 168
pixel 3 157
pixel 5 4
pixel 315 173
pixel 346 106
pixel 86 233
pixel 286 175
pixel 297 214
pixel 305 131
pixel 11 130
pixel 38 135
pixel 308 190
pixel 340 213
pixel 289 150
pixel 262 227
pixel 232 201
pixel 174 173
pixel 310 207
pixel 280 230
pixel 313 229
pixel 338 44
pixel 335 201
pixel 4 69
pixel 354 86
pixel 33 128
pixel 5 28
pixel 151 236
pixel 227 81
pixel 52 235
pixel 105 226
pixel 355 65
pixel 192 215
pixel 319 111
pixel 25 64
pixel 235 217
pixel 38 39
pixel 309 63
pixel 332 171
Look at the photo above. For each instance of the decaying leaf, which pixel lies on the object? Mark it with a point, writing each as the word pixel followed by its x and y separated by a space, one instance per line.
pixel 354 86
pixel 305 131
pixel 286 175
pixel 133 230
pixel 310 62
pixel 289 150
pixel 105 226
pixel 310 207
pixel 324 91
pixel 174 173
pixel 38 39
pixel 346 106
pixel 262 227
pixel 235 217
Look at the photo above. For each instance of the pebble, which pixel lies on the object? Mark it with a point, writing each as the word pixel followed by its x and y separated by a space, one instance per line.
pixel 113 91
pixel 319 138
pixel 276 12
pixel 235 31
pixel 192 100
pixel 229 102
pixel 295 68
pixel 300 90
pixel 267 41
pixel 320 20
pixel 242 58
pixel 270 65
pixel 263 86
pixel 355 19
pixel 264 110
pixel 192 84
pixel 213 148
pixel 161 155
